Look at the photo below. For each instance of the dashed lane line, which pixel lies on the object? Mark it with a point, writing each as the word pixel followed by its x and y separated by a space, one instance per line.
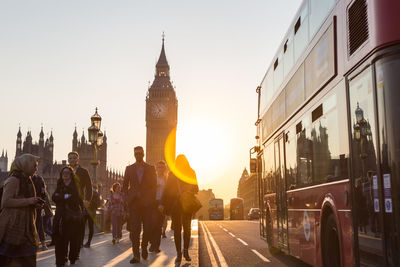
pixel 231 234
pixel 220 257
pixel 260 255
pixel 241 241
pixel 208 246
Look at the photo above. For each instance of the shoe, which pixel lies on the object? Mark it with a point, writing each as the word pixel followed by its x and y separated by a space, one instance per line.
pixel 164 236
pixel 145 254
pixel 44 247
pixel 113 241
pixel 72 262
pixel 157 250
pixel 178 258
pixel 134 260
pixel 186 255
pixel 87 245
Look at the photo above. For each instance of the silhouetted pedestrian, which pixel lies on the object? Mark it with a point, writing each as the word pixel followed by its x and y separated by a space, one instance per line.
pixel 139 187
pixel 40 187
pixel 176 194
pixel 68 218
pixel 116 210
pixel 84 187
pixel 18 235
pixel 158 214
pixel 90 215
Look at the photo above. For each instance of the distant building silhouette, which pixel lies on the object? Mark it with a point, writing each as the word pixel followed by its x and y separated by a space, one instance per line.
pixel 105 177
pixel 44 149
pixel 50 171
pixel 247 189
pixel 161 110
pixel 3 162
pixel 204 197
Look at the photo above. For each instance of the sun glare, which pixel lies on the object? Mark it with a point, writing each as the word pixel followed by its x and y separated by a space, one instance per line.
pixel 206 147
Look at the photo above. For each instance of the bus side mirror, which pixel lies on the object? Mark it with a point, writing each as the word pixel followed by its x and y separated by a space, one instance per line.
pixel 253 165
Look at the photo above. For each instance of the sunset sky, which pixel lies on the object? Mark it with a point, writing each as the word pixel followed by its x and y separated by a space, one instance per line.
pixel 61 59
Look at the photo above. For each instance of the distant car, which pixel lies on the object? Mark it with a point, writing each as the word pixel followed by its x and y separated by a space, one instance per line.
pixel 254 213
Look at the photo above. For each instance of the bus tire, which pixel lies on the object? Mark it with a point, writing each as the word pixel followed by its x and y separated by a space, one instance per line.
pixel 330 243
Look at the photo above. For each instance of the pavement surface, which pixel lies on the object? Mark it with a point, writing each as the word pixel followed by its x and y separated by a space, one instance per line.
pixel 237 243
pixel 103 253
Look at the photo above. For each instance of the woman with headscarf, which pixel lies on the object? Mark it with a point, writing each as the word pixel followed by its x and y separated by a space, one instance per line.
pixel 18 235
pixel 68 217
pixel 186 182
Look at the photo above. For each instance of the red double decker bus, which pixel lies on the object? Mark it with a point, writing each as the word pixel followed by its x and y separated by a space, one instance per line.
pixel 328 152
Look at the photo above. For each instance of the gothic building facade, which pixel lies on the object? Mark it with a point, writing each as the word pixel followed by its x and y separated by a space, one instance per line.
pixel 44 149
pixel 3 162
pixel 161 110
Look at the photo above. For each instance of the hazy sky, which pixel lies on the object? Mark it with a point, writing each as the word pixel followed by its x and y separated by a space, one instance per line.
pixel 61 59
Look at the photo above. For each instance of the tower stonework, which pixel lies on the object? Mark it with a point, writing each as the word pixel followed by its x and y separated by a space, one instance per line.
pixel 161 110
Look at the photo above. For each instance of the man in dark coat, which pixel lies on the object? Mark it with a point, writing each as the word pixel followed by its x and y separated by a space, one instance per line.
pixel 139 188
pixel 84 187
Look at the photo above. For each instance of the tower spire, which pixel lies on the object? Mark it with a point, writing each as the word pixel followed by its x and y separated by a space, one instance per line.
pixel 162 66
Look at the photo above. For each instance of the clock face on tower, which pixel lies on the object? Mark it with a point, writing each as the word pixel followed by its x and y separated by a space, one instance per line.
pixel 158 110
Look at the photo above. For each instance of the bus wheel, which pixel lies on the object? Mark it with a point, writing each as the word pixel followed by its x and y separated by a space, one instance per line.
pixel 330 243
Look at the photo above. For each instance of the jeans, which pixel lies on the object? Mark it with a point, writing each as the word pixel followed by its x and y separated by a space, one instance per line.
pixel 157 222
pixel 181 220
pixel 67 234
pixel 116 222
pixel 39 225
pixel 88 218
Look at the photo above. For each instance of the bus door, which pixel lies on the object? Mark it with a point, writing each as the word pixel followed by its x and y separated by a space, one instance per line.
pixel 260 187
pixel 374 115
pixel 281 193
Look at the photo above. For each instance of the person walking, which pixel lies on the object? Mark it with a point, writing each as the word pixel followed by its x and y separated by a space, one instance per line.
pixel 84 187
pixel 158 215
pixel 116 210
pixel 18 235
pixel 40 187
pixel 90 215
pixel 139 188
pixel 68 217
pixel 175 191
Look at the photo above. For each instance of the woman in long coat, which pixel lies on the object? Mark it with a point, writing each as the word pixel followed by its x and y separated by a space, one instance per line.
pixel 68 217
pixel 18 235
pixel 174 188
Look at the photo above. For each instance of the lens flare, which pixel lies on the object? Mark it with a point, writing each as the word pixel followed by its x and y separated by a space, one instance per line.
pixel 179 166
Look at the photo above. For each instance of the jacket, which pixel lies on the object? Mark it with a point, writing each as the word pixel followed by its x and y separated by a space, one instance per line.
pixel 139 195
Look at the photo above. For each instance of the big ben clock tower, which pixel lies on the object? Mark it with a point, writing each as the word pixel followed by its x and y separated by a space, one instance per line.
pixel 161 110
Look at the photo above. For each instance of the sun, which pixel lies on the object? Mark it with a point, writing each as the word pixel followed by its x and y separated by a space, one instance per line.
pixel 205 144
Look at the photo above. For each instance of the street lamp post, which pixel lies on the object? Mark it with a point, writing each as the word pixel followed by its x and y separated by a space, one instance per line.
pixel 96 139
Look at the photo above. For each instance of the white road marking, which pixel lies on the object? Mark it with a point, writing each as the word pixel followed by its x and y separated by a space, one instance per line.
pixel 241 241
pixel 260 255
pixel 209 249
pixel 220 257
pixel 119 258
pixel 231 234
pixel 226 230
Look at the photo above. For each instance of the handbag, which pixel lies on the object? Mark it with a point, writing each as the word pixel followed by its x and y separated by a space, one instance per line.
pixel 188 201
